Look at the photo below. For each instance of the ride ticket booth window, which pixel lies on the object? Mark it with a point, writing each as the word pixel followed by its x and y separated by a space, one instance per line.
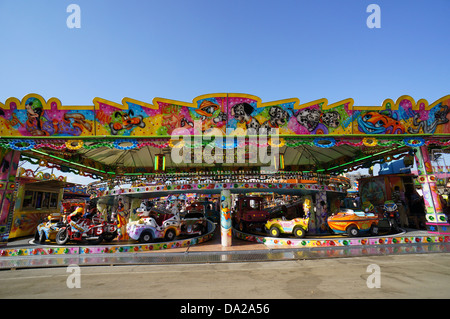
pixel 39 200
pixel 53 200
pixel 45 200
pixel 28 199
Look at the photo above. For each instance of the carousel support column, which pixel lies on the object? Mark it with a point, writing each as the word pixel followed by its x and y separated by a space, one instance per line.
pixel 9 162
pixel 436 221
pixel 135 204
pixel 310 213
pixel 225 217
pixel 321 211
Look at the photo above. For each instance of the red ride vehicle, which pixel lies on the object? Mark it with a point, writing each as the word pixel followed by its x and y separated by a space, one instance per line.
pixel 250 213
pixel 92 229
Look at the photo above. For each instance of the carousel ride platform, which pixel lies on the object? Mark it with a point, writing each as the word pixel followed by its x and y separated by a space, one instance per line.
pixel 24 253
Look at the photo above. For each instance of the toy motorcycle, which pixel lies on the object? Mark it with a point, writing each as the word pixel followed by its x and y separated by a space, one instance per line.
pixel 391 214
pixel 81 229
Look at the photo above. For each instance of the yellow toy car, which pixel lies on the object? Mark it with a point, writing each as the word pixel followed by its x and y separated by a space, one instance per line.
pixel 296 226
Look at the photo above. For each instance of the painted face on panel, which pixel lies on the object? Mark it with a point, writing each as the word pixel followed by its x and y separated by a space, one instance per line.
pixel 378 123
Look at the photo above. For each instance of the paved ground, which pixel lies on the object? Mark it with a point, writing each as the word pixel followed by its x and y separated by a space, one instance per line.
pixel 401 276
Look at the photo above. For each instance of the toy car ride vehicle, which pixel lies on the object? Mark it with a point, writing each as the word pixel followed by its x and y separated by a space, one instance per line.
pixel 193 223
pixel 91 229
pixel 250 213
pixel 160 225
pixel 296 226
pixel 206 207
pixel 354 222
pixel 48 230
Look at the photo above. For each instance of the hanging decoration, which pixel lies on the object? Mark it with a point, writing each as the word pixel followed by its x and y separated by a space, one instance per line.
pixel 98 145
pixel 74 144
pixel 414 142
pixel 140 145
pixel 55 146
pixel 43 163
pixel 21 145
pixel 357 144
pixel 296 143
pixel 179 144
pixel 118 144
pixel 281 142
pixel 370 141
pixel 390 142
pixel 225 144
pixel 324 142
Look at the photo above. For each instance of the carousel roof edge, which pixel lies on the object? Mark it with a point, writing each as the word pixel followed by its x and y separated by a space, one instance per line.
pixel 127 102
pixel 235 114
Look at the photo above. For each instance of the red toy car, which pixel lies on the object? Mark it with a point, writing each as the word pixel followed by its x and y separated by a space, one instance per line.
pixel 250 213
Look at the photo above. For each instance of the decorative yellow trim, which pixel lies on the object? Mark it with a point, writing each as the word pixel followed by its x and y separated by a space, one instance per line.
pixel 79 144
pixel 281 142
pixel 154 105
pixel 179 144
pixel 350 102
pixel 308 104
pixel 43 163
pixel 126 100
pixel 97 101
pixel 286 101
pixel 174 102
pixel 370 141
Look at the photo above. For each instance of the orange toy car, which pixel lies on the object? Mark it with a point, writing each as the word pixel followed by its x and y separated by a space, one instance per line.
pixel 354 222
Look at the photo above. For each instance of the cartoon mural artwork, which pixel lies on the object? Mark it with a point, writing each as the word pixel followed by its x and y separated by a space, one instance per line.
pixel 33 116
pixel 406 117
pixel 38 124
pixel 211 115
pixel 73 124
pixel 331 119
pixel 242 113
pixel 250 114
pixel 277 117
pixel 317 122
pixel 126 121
pixel 384 122
pixel 174 117
pixel 440 117
pixel 318 117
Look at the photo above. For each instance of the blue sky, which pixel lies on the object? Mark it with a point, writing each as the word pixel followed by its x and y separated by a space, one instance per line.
pixel 180 49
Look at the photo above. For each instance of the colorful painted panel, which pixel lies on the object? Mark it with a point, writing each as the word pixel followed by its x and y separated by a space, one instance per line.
pixel 404 117
pixel 25 224
pixel 34 117
pixel 229 112
pixel 373 191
